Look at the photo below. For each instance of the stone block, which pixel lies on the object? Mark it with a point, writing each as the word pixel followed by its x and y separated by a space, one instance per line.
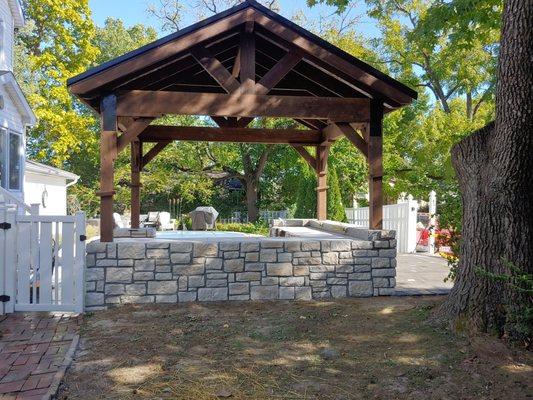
pixel 216 283
pixel 268 255
pixel 182 283
pixel 293 246
pixel 180 258
pixel 338 291
pixel 381 244
pixel 362 268
pixel 166 298
pixel 90 286
pixel 365 253
pixel 119 275
pixel 336 281
pixel 90 260
pixel 213 263
pixel 240 297
pixel 360 289
pixel 143 276
pixel 137 299
pixel 300 270
pixel 254 267
pixel 205 249
pixel 186 297
pixel 269 280
pixel 239 288
pixel 131 250
pixel 231 254
pixel 360 276
pixel 309 245
pixel 248 247
pixel 162 287
pixel 127 262
pixel 362 261
pixel 252 257
pixel 94 299
pixel 144 265
pixel 157 253
pixel 229 246
pixel 384 272
pixel 322 268
pixel 180 247
pixel 163 268
pixel 114 289
pixel 300 254
pixel 157 245
pixel 318 275
pixel 344 269
pixel 234 265
pixel 330 258
pixel 196 281
pixel 292 281
pixel 264 292
pixel 391 253
pixel 212 294
pixel 94 274
pixel 163 276
pixel 302 293
pixel 361 245
pixel 194 269
pixel 106 262
pixel 345 255
pixel 380 263
pixel 136 289
pixel 286 293
pixel 271 244
pixel 281 269
pixel 247 276
pixel 284 257
pixel 341 245
pixel 386 291
pixel 309 261
pixel 380 282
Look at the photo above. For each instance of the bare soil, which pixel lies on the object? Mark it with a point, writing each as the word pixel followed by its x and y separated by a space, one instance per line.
pixel 377 348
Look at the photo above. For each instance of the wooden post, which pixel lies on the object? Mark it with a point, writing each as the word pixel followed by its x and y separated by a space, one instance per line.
pixel 136 155
pixel 108 154
pixel 375 165
pixel 322 153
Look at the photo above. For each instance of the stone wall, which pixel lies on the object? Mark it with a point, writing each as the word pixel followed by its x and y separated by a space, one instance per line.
pixel 148 271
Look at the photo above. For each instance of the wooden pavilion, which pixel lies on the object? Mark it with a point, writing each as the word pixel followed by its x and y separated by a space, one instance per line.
pixel 242 63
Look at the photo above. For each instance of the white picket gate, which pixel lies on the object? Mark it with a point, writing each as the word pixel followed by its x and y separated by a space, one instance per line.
pixel 400 217
pixel 42 262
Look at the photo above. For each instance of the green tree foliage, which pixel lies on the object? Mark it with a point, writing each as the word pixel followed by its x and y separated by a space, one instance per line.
pixel 56 44
pixel 335 208
pixel 306 194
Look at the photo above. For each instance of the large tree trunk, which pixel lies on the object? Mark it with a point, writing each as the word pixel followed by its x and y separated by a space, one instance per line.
pixel 494 167
pixel 251 200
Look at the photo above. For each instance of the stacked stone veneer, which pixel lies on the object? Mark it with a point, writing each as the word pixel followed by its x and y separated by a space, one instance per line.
pixel 251 269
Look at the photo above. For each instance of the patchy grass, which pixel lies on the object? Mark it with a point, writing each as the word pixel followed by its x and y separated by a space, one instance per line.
pixel 378 348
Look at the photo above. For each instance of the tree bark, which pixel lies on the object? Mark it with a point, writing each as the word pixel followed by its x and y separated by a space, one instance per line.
pixel 494 167
pixel 252 175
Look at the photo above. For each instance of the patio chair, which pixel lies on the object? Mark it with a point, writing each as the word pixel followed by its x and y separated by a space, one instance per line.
pixel 165 223
pixel 118 221
pixel 151 220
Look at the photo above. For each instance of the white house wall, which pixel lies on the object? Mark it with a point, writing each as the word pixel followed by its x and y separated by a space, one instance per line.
pixel 35 185
pixel 6 56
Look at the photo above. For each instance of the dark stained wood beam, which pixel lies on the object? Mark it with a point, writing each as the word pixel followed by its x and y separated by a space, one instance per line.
pixel 132 131
pixel 306 155
pixel 278 72
pixel 215 69
pixel 161 133
pixel 139 103
pixel 108 155
pixel 236 70
pixel 154 151
pixel 135 187
pixel 335 130
pixel 375 166
pixel 322 153
pixel 247 58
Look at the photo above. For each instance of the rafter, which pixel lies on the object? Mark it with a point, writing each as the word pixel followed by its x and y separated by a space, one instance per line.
pixel 215 68
pixel 311 160
pixel 278 72
pixel 335 130
pixel 154 151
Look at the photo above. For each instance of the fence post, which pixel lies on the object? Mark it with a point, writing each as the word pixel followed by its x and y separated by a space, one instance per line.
pixel 79 264
pixel 10 260
pixel 34 208
pixel 411 224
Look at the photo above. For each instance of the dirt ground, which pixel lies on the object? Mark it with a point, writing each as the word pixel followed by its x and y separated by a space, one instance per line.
pixel 377 348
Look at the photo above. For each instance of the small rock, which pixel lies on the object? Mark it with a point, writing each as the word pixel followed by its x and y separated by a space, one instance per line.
pixel 329 354
pixel 224 393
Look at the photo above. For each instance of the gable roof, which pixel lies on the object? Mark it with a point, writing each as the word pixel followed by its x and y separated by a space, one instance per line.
pixel 7 79
pixel 43 169
pixel 325 67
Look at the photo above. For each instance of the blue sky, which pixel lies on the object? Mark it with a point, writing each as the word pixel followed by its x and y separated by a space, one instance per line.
pixel 134 11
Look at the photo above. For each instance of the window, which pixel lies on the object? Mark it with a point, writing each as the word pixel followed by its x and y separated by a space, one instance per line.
pixel 15 161
pixel 3 158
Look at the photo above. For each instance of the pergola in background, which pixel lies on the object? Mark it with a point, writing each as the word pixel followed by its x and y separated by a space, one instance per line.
pixel 243 63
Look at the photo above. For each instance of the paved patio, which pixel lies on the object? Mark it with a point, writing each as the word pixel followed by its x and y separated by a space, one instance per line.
pixel 421 274
pixel 35 349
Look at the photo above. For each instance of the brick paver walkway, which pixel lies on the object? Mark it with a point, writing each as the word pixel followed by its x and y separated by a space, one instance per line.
pixel 34 351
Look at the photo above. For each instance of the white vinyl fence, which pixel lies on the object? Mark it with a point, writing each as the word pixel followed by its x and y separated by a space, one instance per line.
pixel 42 262
pixel 400 217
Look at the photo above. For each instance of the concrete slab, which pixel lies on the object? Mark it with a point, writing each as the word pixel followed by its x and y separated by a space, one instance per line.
pixel 421 274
